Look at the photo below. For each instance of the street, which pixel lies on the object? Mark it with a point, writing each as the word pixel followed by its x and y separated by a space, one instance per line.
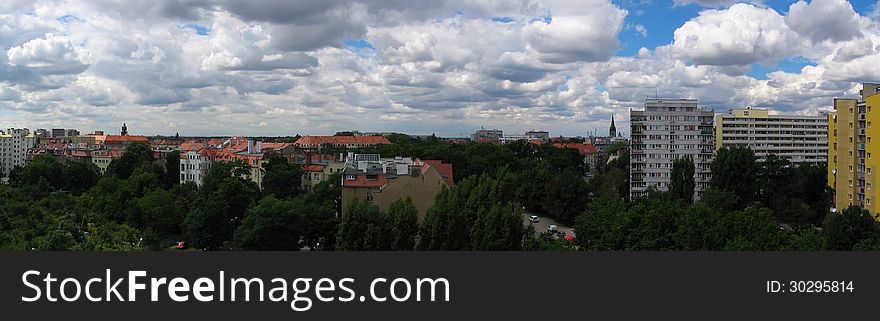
pixel 544 222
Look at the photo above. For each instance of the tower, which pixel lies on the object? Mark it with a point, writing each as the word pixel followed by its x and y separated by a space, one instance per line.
pixel 612 132
pixel 124 130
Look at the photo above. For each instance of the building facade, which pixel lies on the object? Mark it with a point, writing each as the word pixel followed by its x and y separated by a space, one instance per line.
pixel 14 145
pixel 668 129
pixel 421 182
pixel 796 138
pixel 852 145
pixel 194 165
pixel 488 136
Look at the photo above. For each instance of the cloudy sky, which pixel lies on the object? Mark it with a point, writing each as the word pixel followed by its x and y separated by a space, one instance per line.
pixel 273 67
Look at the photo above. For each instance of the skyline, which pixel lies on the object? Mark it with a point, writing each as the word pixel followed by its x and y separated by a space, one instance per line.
pixel 273 68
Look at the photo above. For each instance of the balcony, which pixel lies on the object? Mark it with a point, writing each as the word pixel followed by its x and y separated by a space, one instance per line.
pixel 861 146
pixel 706 132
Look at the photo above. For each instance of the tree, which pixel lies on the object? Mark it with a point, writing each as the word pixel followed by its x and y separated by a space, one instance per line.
pixel 403 217
pixel 734 170
pixel 208 226
pixel 363 227
pixel 681 186
pixel 172 169
pixel 282 179
pixel 844 230
pixel 134 156
pixel 273 225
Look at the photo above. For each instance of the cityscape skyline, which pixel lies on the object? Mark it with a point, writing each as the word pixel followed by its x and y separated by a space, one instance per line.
pixel 274 68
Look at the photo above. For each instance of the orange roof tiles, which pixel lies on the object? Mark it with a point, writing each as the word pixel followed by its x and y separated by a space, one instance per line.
pixel 445 169
pixel 117 139
pixel 583 149
pixel 313 168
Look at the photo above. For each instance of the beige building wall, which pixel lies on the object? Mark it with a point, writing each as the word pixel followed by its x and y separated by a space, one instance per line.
pixel 422 189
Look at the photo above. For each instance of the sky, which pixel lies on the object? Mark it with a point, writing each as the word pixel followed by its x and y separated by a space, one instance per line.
pixel 449 67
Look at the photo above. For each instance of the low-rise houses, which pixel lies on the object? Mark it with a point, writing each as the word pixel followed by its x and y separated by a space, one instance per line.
pixel 390 181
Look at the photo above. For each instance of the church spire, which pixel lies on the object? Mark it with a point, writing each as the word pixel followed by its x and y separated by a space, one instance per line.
pixel 124 130
pixel 612 132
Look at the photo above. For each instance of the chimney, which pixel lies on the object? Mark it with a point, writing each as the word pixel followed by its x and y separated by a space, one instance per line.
pixel 250 146
pixel 259 147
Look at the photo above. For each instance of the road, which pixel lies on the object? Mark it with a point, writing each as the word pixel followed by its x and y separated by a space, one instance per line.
pixel 544 222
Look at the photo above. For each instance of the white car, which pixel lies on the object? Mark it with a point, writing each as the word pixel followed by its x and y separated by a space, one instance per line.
pixel 533 219
pixel 552 229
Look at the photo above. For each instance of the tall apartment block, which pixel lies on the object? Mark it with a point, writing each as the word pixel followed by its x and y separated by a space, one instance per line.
pixel 668 129
pixel 852 154
pixel 799 139
pixel 14 144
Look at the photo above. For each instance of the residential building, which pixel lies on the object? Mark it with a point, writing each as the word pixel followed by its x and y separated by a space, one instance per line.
pixel 42 133
pixel 58 132
pixel 668 129
pixel 488 136
pixel 70 132
pixel 852 167
pixel 421 182
pixel 195 164
pixel 796 138
pixel 347 142
pixel 539 134
pixel 14 145
pixel 103 157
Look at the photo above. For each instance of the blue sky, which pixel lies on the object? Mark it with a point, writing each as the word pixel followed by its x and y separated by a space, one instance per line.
pixel 275 67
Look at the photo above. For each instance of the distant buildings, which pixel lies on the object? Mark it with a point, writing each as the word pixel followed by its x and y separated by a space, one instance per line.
pixel 852 155
pixel 668 129
pixel 58 132
pixel 796 138
pixel 348 142
pixel 14 145
pixel 387 180
pixel 492 136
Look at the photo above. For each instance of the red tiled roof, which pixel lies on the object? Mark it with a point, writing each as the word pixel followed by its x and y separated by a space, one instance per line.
pixel 192 145
pixel 276 145
pixel 117 139
pixel 362 181
pixel 583 149
pixel 536 141
pixel 216 141
pixel 313 168
pixel 341 140
pixel 317 158
pixel 445 169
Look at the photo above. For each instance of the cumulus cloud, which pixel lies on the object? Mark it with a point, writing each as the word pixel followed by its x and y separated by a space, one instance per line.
pixel 589 36
pixel 740 35
pixel 822 20
pixel 272 67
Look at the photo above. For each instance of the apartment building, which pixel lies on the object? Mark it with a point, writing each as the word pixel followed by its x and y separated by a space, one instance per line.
pixel 14 145
pixel 852 167
pixel 419 180
pixel 796 138
pixel 665 130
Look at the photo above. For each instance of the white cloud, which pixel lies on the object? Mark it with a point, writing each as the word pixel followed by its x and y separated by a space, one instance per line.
pixel 589 36
pixel 54 54
pixel 740 35
pixel 822 20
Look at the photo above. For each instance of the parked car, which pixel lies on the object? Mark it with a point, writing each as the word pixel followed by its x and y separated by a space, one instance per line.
pixel 181 245
pixel 551 229
pixel 561 234
pixel 533 219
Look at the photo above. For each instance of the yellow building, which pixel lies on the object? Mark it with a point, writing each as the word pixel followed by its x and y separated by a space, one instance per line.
pixel 852 155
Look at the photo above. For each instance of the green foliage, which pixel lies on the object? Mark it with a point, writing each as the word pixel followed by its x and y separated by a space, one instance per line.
pixel 282 179
pixel 135 155
pixel 272 225
pixel 172 169
pixel 734 170
pixel 56 175
pixel 363 227
pixel 845 230
pixel 681 183
pixel 403 217
pixel 477 214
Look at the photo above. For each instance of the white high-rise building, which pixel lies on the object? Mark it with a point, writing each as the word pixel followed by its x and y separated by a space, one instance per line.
pixel 14 144
pixel 797 138
pixel 668 129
